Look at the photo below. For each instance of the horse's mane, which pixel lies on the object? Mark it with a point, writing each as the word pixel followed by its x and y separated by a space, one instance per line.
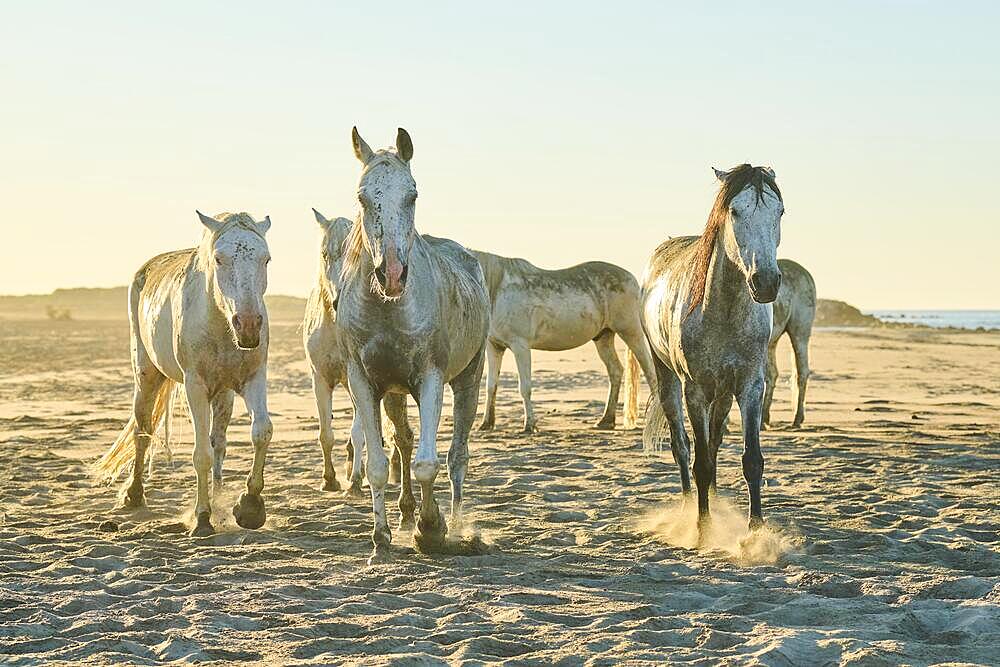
pixel 738 179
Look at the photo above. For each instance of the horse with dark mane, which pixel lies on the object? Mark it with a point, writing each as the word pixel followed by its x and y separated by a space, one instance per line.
pixel 707 315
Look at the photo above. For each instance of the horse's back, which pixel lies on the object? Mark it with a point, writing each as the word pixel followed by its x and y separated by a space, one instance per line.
pixel 556 309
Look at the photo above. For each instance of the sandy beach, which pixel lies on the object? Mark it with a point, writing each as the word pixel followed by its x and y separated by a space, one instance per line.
pixel 881 545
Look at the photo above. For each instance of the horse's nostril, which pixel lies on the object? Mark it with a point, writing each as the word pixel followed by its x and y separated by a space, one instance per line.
pixel 236 321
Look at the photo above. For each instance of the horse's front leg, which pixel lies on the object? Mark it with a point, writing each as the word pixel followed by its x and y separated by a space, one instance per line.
pixel 200 408
pixel 249 509
pixel 698 411
pixel 367 412
pixel 465 389
pixel 750 399
pixel 323 393
pixel 494 359
pixel 431 527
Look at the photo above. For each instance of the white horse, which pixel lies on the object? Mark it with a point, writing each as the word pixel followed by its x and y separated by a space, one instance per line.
pixel 537 309
pixel 794 312
pixel 198 319
pixel 321 338
pixel 707 314
pixel 413 314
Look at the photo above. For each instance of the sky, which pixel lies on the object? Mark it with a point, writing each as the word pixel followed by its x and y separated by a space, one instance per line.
pixel 558 132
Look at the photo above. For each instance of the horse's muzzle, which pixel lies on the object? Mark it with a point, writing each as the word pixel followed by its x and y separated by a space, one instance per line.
pixel 247 328
pixel 764 285
pixel 392 278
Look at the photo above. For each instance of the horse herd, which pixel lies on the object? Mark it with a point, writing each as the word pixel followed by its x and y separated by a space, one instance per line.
pixel 398 313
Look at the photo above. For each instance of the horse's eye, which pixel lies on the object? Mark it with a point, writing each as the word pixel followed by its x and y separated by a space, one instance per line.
pixel 218 259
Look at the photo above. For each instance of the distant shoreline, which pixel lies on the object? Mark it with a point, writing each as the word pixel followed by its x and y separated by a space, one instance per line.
pixel 109 303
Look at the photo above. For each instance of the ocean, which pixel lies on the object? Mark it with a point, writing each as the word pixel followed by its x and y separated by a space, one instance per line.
pixel 960 319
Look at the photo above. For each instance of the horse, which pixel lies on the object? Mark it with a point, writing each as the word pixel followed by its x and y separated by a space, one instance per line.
pixel 413 314
pixel 794 312
pixel 198 319
pixel 538 309
pixel 707 315
pixel 321 339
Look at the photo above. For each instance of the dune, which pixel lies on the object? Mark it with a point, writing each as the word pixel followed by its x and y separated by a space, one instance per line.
pixel 881 545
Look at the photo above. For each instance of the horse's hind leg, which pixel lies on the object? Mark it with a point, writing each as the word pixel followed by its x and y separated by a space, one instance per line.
pixel 494 359
pixel 355 469
pixel 148 384
pixel 249 509
pixel 800 345
pixel 465 389
pixel 323 393
pixel 605 344
pixel 395 410
pixel 716 430
pixel 671 396
pixel 222 414
pixel 770 381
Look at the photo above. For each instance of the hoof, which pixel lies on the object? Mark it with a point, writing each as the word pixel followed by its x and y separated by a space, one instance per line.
pixel 756 523
pixel 204 526
pixel 604 426
pixel 380 554
pixel 133 498
pixel 330 485
pixel 528 430
pixel 354 492
pixel 430 534
pixel 249 511
pixel 487 426
pixel 797 423
pixel 407 522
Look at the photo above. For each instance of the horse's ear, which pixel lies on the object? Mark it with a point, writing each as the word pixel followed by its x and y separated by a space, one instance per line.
pixel 212 224
pixel 721 175
pixel 264 224
pixel 323 222
pixel 361 149
pixel 404 145
pixel 770 172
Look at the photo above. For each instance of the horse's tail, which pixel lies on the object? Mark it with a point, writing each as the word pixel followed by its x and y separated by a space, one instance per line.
pixel 656 430
pixel 122 453
pixel 631 390
pixel 168 433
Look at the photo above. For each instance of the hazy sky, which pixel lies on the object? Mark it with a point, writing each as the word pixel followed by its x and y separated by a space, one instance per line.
pixel 559 132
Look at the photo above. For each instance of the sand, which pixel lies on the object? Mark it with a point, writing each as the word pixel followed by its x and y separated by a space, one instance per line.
pixel 881 546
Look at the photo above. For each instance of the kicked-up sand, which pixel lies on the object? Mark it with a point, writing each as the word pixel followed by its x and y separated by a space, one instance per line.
pixel 881 545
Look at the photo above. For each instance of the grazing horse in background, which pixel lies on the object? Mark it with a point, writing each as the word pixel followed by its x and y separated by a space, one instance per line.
pixel 198 319
pixel 413 314
pixel 706 311
pixel 794 312
pixel 537 309
pixel 321 339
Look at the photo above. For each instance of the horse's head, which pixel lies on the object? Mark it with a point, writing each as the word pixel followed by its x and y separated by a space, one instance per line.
pixel 388 195
pixel 334 234
pixel 236 262
pixel 751 203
